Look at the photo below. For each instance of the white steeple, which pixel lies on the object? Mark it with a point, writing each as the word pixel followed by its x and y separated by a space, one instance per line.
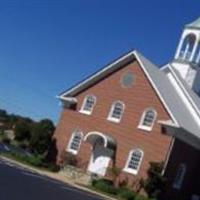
pixel 187 57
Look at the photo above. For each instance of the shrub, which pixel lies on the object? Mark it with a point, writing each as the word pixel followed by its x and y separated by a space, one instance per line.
pixel 142 198
pixel 70 159
pixel 123 193
pixel 34 160
pixel 1 132
pixel 123 183
pixel 52 167
pixel 23 144
pixel 5 140
pixel 155 182
pixel 104 186
pixel 126 194
pixel 114 172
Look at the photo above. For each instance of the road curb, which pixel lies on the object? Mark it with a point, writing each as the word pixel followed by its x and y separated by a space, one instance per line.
pixel 54 176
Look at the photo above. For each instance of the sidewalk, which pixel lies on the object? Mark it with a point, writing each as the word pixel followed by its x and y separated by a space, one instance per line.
pixel 55 176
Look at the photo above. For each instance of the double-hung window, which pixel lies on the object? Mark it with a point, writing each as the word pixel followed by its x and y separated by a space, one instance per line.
pixel 88 104
pixel 134 161
pixel 180 174
pixel 147 120
pixel 116 112
pixel 75 142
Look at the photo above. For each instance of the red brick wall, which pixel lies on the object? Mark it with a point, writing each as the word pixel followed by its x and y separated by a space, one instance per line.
pixel 183 153
pixel 140 96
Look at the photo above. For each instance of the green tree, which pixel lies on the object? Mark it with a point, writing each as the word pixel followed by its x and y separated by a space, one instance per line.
pixel 155 182
pixel 22 131
pixel 4 117
pixel 13 120
pixel 3 114
pixel 41 136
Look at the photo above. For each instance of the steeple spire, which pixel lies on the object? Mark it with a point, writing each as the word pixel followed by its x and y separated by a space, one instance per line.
pixel 194 24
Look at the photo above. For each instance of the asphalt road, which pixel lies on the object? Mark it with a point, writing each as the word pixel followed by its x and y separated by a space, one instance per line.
pixel 9 148
pixel 19 184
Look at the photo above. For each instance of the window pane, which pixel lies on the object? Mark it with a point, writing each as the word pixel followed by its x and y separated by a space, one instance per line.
pixel 135 160
pixel 149 118
pixel 179 176
pixel 89 102
pixel 117 111
pixel 75 142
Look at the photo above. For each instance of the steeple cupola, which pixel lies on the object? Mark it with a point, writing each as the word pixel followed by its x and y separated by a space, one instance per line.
pixel 189 46
pixel 187 57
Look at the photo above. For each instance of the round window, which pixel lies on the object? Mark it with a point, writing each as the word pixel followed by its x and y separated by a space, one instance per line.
pixel 127 79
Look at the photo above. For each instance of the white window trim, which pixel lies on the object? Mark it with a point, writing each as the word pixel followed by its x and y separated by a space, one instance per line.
pixel 147 128
pixel 68 149
pixel 112 119
pixel 87 112
pixel 129 170
pixel 177 185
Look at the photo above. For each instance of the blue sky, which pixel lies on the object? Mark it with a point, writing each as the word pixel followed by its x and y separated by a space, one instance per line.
pixel 48 45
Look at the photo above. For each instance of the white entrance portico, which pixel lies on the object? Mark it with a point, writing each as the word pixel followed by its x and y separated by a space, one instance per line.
pixel 103 148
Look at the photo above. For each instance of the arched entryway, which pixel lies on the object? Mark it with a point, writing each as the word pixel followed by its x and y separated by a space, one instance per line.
pixel 103 149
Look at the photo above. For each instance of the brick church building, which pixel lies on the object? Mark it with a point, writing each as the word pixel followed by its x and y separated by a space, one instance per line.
pixel 132 112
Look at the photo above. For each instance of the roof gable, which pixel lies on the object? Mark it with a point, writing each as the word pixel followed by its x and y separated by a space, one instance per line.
pixel 154 75
pixel 94 78
pixel 166 91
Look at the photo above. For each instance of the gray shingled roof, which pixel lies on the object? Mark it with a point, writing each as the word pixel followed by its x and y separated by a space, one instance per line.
pixel 171 97
pixel 195 98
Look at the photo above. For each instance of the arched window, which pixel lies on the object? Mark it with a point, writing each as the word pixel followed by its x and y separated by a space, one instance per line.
pixel 179 176
pixel 197 54
pixel 187 47
pixel 116 111
pixel 134 161
pixel 147 120
pixel 75 142
pixel 88 104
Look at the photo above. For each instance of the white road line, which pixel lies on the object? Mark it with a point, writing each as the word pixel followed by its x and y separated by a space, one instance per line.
pixel 41 177
pixel 78 191
pixel 32 175
pixel 13 165
pixel 27 173
pixel 9 164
